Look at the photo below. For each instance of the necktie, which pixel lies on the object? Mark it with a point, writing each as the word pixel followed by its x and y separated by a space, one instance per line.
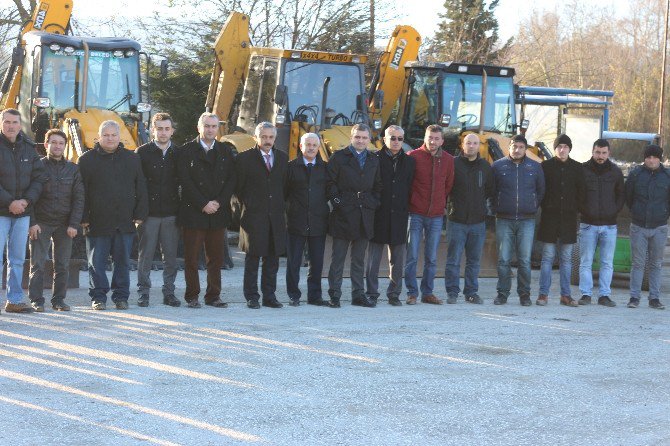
pixel 309 170
pixel 268 166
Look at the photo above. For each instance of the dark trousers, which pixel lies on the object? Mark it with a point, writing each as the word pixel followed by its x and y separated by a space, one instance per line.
pixel 356 270
pixel 294 249
pixel 268 275
pixel 39 253
pixel 193 242
pixel 98 250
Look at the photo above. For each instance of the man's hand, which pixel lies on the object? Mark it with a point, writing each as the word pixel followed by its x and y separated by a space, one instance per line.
pixel 71 232
pixel 34 232
pixel 18 207
pixel 211 207
pixel 137 222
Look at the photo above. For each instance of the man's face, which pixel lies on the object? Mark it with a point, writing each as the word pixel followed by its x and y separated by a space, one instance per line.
pixel 310 148
pixel 600 154
pixel 360 140
pixel 209 128
pixel 393 140
pixel 265 139
pixel 471 145
pixel 162 131
pixel 109 138
pixel 55 146
pixel 11 126
pixel 562 152
pixel 517 150
pixel 652 162
pixel 433 141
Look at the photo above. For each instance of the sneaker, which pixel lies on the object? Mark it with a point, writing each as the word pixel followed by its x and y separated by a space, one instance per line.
pixel 98 305
pixel 59 305
pixel 431 299
pixel 568 301
pixel 18 308
pixel 171 300
pixel 525 301
pixel 394 301
pixel 474 299
pixel 586 300
pixel 542 301
pixel 294 302
pixel 411 300
pixel 37 307
pixel 604 301
pixel 143 301
pixel 500 300
pixel 633 302
pixel 656 304
pixel 195 304
pixel 121 305
pixel 334 303
pixel 452 299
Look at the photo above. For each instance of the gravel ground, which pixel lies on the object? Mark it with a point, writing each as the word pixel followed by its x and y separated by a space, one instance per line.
pixel 423 375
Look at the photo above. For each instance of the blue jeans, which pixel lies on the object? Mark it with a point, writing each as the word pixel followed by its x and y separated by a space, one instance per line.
pixel 647 242
pixel 565 267
pixel 514 236
pixel 14 236
pixel 98 250
pixel 468 238
pixel 604 238
pixel 431 229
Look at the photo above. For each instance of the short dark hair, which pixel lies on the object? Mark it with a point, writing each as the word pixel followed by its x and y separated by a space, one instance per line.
pixel 434 128
pixel 161 117
pixel 9 111
pixel 602 142
pixel 520 138
pixel 57 132
pixel 360 128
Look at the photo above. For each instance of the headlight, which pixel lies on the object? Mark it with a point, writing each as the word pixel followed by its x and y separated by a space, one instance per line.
pixel 118 53
pixel 54 47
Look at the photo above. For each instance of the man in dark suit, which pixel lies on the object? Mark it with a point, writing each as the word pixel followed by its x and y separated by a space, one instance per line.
pixel 307 216
pixel 206 173
pixel 261 172
pixel 354 189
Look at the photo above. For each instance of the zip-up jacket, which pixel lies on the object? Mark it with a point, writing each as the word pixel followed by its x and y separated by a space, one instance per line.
pixel 518 188
pixel 161 175
pixel 433 180
pixel 648 196
pixel 473 186
pixel 21 174
pixel 62 199
pixel 604 193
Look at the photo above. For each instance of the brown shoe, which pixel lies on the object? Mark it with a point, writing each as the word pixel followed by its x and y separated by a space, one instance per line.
pixel 411 300
pixel 18 308
pixel 542 300
pixel 568 301
pixel 431 299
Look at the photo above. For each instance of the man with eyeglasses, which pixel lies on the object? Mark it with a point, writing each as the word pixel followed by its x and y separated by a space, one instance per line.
pixel 397 173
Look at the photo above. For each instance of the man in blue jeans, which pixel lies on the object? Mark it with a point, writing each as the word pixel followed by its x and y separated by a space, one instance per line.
pixel 648 198
pixel 518 191
pixel 115 202
pixel 602 200
pixel 473 186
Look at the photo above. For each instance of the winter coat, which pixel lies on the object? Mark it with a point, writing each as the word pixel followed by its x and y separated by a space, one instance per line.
pixel 204 177
pixel 261 196
pixel 354 194
pixel 306 199
pixel 21 174
pixel 433 180
pixel 62 199
pixel 604 195
pixel 518 188
pixel 473 186
pixel 564 185
pixel 648 196
pixel 161 175
pixel 115 190
pixel 397 175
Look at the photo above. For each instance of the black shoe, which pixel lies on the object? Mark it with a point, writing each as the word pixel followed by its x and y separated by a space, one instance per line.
pixel 334 303
pixel 362 302
pixel 171 300
pixel 193 304
pixel 500 300
pixel 656 304
pixel 474 299
pixel 121 305
pixel 586 300
pixel 525 301
pixel 37 307
pixel 294 302
pixel 253 304
pixel 395 301
pixel 218 303
pixel 319 303
pixel 143 301
pixel 633 302
pixel 272 303
pixel 604 301
pixel 59 305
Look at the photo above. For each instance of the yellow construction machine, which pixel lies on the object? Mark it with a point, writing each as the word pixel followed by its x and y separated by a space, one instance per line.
pixel 73 83
pixel 299 91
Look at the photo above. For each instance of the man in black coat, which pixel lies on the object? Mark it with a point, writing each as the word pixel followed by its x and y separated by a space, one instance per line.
pixel 397 172
pixel 206 170
pixel 564 185
pixel 115 203
pixel 354 190
pixel 261 172
pixel 307 219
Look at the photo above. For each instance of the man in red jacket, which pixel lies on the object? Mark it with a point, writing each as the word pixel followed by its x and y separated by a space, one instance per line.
pixel 433 180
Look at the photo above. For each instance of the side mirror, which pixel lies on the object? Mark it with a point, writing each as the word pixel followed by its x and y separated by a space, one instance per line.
pixel 281 95
pixel 525 123
pixel 378 99
pixel 42 102
pixel 164 67
pixel 360 102
pixel 445 119
pixel 143 107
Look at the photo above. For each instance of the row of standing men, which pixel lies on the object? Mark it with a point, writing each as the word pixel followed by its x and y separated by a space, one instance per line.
pixel 364 200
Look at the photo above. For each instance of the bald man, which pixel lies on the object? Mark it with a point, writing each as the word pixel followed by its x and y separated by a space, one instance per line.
pixel 473 186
